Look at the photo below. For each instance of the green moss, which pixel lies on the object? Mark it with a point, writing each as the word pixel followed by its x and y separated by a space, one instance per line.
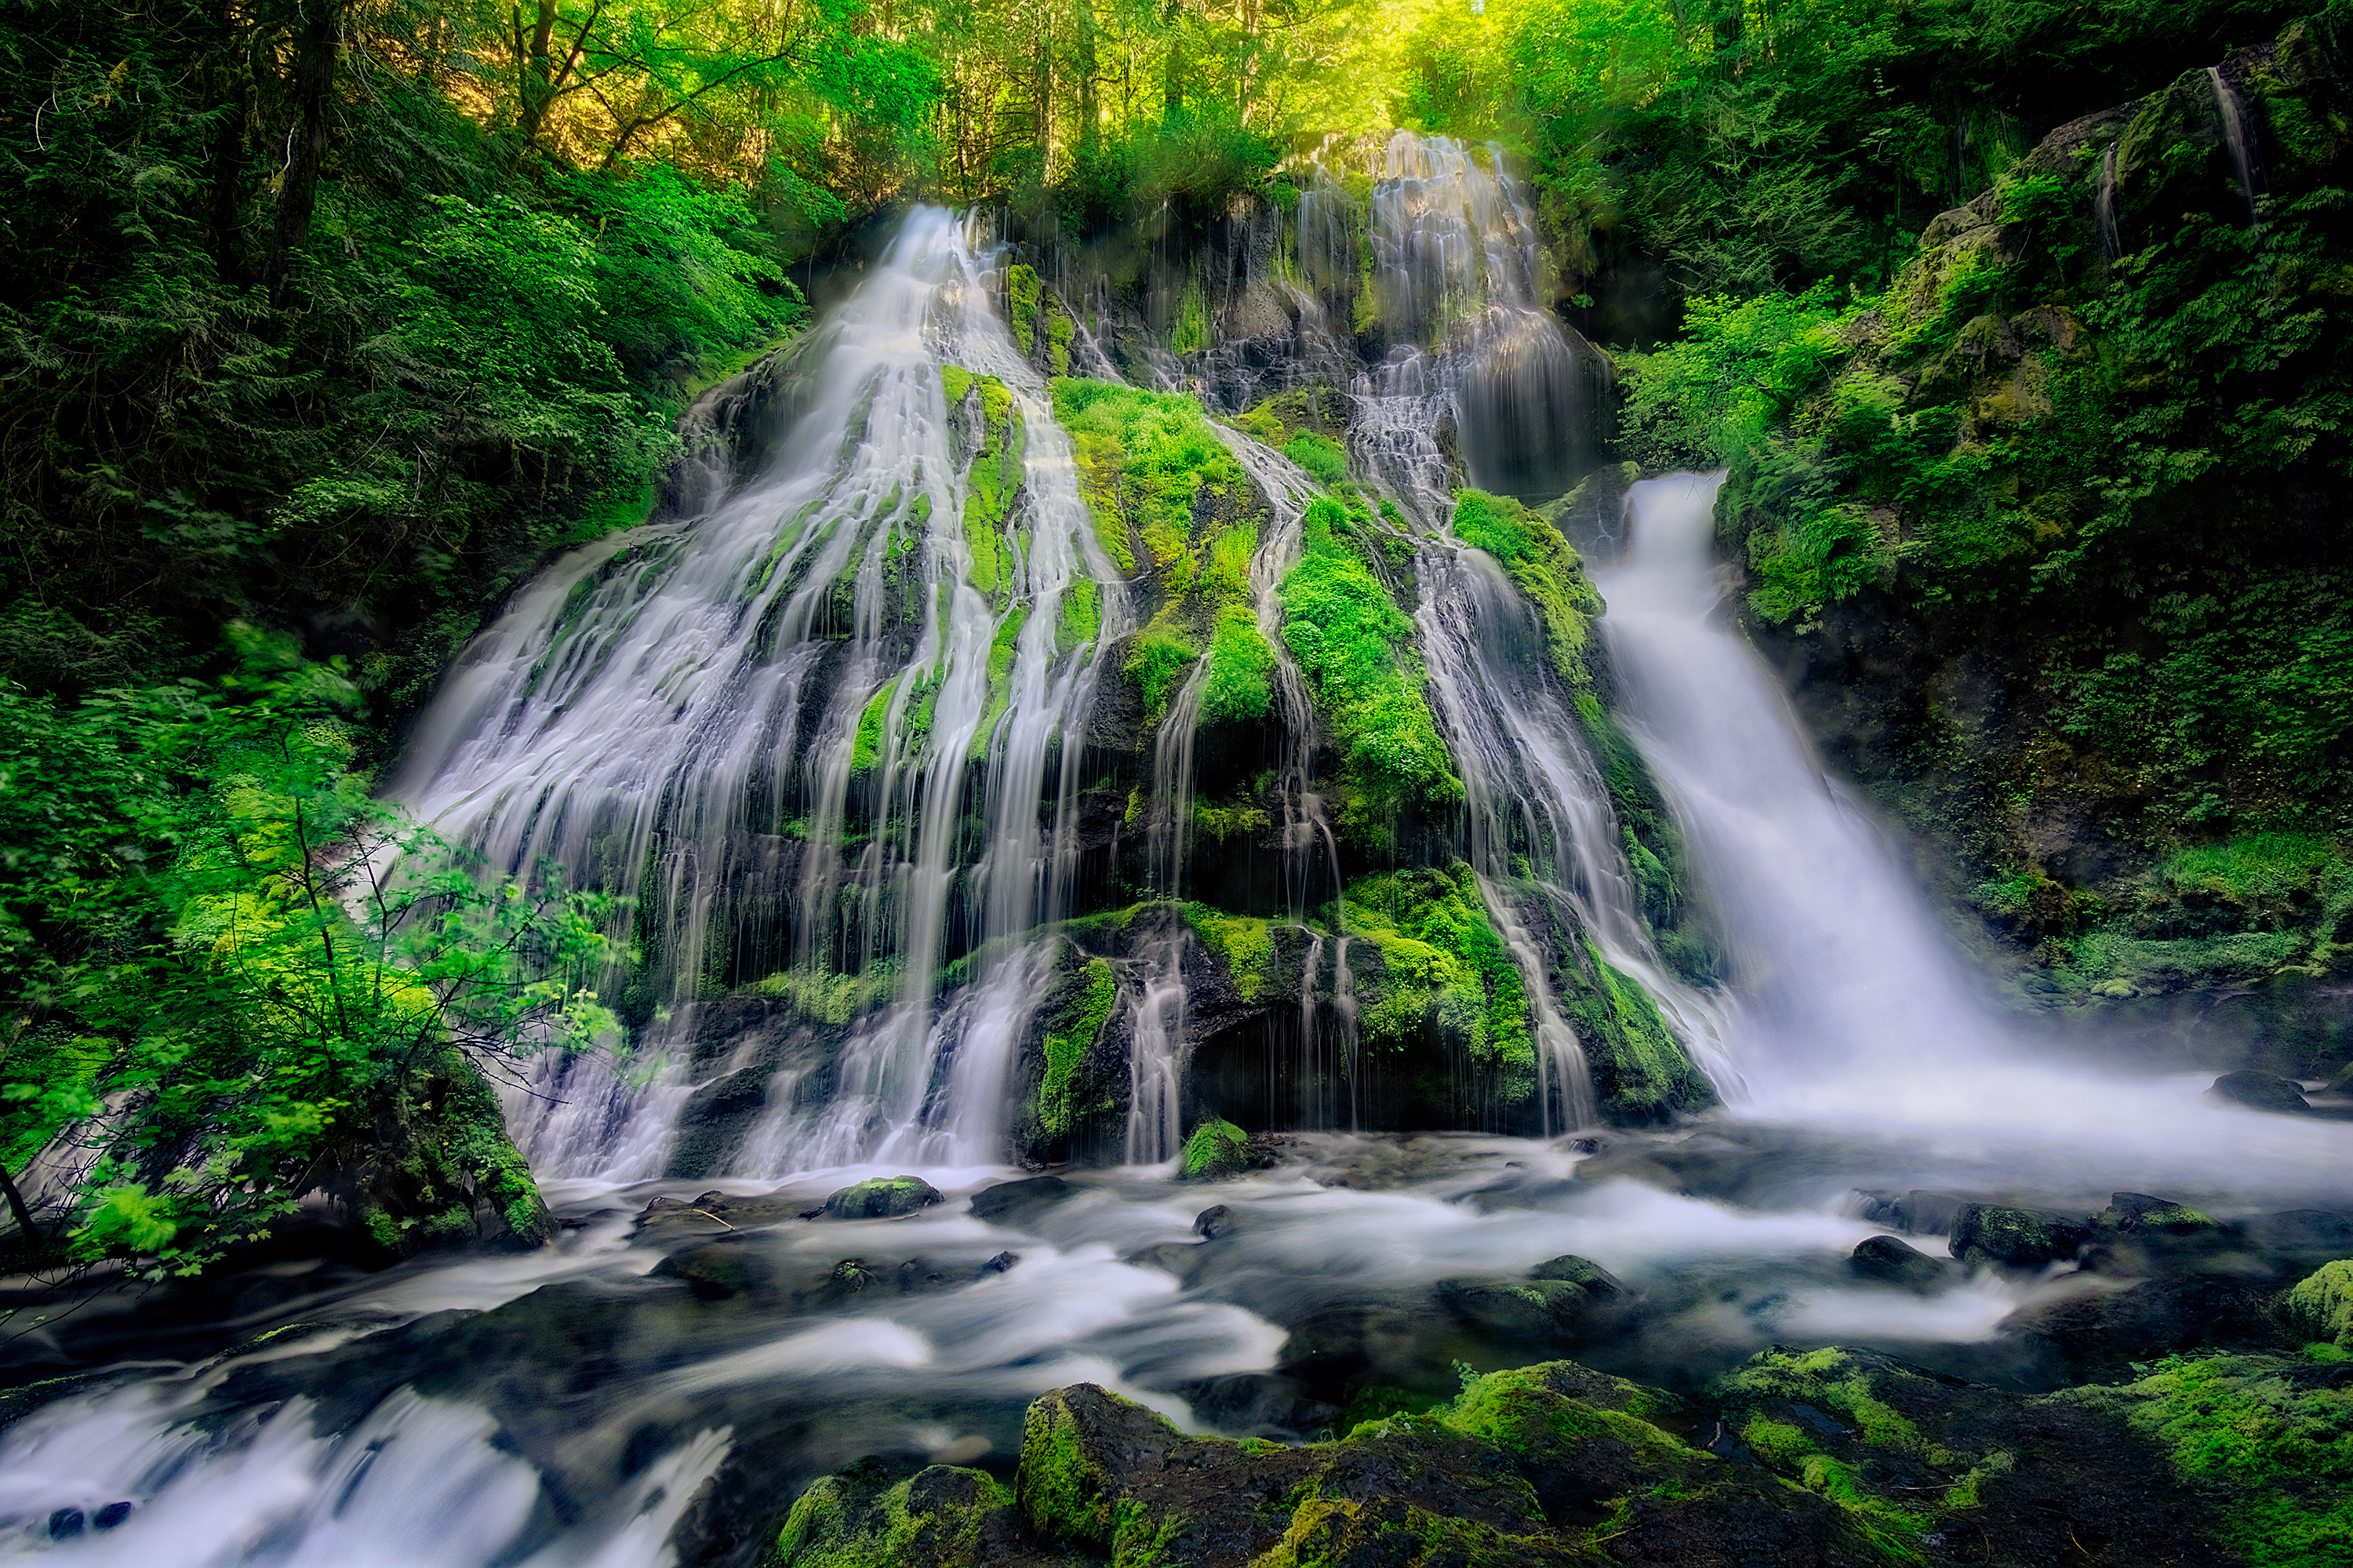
pixel 1640 1071
pixel 1547 569
pixel 1216 1148
pixel 1080 617
pixel 2320 1305
pixel 1155 662
pixel 866 747
pixel 1002 648
pixel 1247 945
pixel 1069 1032
pixel 1447 972
pixel 1059 330
pixel 1223 822
pixel 826 997
pixel 935 1519
pixel 1021 294
pixel 1353 645
pixel 2273 1444
pixel 995 475
pixel 1144 457
pixel 954 381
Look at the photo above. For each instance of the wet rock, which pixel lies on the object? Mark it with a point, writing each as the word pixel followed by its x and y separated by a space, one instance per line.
pixel 2320 1306
pixel 2103 1333
pixel 882 1198
pixel 1595 1280
pixel 1000 1263
pixel 1014 1204
pixel 2303 1232
pixel 2137 1214
pixel 712 1215
pixel 720 1269
pixel 1216 1220
pixel 1526 1310
pixel 2015 1238
pixel 112 1514
pixel 67 1523
pixel 2260 1091
pixel 1890 1260
pixel 1929 1212
pixel 1265 1404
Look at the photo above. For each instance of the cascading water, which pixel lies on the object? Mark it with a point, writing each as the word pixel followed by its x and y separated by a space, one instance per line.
pixel 1849 1005
pixel 694 715
pixel 1474 350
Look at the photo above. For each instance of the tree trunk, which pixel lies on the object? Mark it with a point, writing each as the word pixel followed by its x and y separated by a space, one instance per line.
pixel 297 190
pixel 1043 131
pixel 1087 110
pixel 16 1209
pixel 537 87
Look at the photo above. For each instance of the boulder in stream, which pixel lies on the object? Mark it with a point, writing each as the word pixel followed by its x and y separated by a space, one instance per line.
pixel 1891 1260
pixel 882 1198
pixel 2262 1091
pixel 2015 1238
pixel 1015 1203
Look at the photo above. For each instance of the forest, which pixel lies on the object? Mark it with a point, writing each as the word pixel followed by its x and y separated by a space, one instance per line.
pixel 329 328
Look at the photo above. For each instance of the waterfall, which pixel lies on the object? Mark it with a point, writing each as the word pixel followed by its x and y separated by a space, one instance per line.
pixel 1474 349
pixel 2104 208
pixel 1836 954
pixel 850 651
pixel 2246 167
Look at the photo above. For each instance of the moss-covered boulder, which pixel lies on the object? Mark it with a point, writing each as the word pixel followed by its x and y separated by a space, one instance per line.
pixel 2320 1306
pixel 1541 1465
pixel 943 1516
pixel 2015 1238
pixel 1936 1470
pixel 882 1198
pixel 1216 1150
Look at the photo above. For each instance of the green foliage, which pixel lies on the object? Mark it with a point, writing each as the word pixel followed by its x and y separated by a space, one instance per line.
pixel 1353 646
pixel 250 952
pixel 1239 662
pixel 1321 456
pixel 453 365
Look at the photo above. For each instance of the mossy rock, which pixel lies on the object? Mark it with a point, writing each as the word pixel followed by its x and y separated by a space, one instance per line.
pixel 882 1198
pixel 943 1516
pixel 2015 1238
pixel 1217 1150
pixel 2320 1306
